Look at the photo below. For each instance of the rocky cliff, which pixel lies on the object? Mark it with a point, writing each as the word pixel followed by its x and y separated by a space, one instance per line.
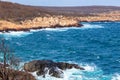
pixel 16 17
pixel 38 23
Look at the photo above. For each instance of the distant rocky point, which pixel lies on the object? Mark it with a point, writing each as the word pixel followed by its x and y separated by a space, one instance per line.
pixel 17 17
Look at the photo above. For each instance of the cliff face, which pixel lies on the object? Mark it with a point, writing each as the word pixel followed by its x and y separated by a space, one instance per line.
pixel 50 21
pixel 20 17
pixel 39 22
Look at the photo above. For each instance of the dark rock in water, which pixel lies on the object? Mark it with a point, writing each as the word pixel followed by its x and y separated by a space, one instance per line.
pixel 64 66
pixel 54 68
pixel 56 72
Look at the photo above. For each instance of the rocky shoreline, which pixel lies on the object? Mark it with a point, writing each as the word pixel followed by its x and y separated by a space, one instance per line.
pixel 17 17
pixel 52 22
pixel 41 67
pixel 55 21
pixel 39 23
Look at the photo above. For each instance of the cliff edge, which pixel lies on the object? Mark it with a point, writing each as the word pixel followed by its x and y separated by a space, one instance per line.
pixel 16 17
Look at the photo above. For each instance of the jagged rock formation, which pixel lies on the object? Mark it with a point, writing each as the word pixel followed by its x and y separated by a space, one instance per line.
pixel 54 68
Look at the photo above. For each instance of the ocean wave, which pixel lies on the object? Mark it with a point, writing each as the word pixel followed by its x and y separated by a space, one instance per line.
pixel 12 34
pixel 90 73
pixel 116 77
pixel 85 26
pixel 90 26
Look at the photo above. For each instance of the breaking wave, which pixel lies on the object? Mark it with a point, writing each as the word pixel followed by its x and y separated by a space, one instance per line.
pixel 85 26
pixel 13 34
pixel 88 26
pixel 90 73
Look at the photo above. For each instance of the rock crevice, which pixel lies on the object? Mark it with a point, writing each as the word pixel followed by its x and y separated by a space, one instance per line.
pixel 55 69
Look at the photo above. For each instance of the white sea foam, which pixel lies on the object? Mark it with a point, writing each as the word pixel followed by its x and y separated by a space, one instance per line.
pixel 12 34
pixel 88 26
pixel 55 29
pixel 89 68
pixel 70 74
pixel 90 73
pixel 85 26
pixel 116 77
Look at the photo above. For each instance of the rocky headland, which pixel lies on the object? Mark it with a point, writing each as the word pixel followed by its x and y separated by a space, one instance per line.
pixel 41 67
pixel 17 17
pixel 39 23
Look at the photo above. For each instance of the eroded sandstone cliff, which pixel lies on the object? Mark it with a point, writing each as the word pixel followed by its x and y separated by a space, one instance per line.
pixel 16 17
pixel 38 23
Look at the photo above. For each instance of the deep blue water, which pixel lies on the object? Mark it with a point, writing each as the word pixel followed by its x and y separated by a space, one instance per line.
pixel 97 43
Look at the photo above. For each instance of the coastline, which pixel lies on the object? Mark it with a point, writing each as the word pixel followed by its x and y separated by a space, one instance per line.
pixel 39 23
pixel 31 17
pixel 86 41
pixel 21 27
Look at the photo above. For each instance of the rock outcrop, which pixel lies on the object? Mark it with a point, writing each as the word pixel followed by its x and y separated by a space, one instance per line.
pixel 47 66
pixel 38 23
pixel 15 74
pixel 17 17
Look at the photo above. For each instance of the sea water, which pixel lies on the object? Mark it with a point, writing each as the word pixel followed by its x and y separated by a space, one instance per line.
pixel 95 46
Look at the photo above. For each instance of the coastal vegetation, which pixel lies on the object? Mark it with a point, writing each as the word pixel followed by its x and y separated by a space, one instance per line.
pixel 9 64
pixel 16 17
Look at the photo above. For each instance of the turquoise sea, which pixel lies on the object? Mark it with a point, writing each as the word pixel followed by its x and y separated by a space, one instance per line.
pixel 95 46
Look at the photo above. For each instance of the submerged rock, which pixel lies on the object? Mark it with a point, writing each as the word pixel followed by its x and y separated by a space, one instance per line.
pixel 47 66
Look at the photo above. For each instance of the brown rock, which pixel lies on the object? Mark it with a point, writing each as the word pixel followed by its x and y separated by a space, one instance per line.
pixel 15 74
pixel 20 75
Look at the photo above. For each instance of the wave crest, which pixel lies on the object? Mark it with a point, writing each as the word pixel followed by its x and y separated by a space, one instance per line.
pixel 90 73
pixel 12 34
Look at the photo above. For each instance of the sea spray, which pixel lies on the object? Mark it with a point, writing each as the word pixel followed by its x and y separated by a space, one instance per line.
pixel 92 73
pixel 12 34
pixel 99 45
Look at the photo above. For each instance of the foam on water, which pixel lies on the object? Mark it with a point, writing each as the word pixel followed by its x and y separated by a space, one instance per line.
pixel 88 26
pixel 90 73
pixel 97 50
pixel 116 77
pixel 12 34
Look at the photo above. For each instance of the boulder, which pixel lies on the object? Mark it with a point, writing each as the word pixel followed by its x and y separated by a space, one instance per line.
pixel 44 66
